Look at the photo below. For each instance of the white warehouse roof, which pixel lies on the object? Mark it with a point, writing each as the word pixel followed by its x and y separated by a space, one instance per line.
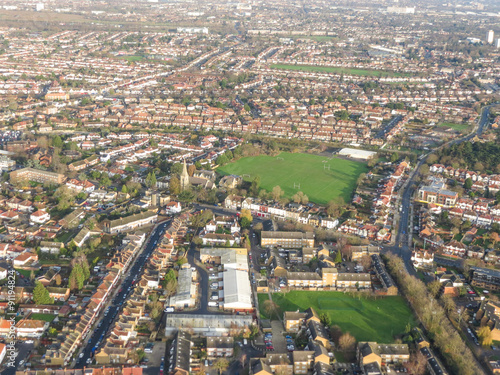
pixel 357 154
pixel 237 290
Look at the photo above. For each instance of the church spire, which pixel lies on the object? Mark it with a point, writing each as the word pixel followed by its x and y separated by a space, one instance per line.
pixel 184 177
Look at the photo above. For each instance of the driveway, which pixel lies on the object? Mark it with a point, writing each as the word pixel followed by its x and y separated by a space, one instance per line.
pixel 279 341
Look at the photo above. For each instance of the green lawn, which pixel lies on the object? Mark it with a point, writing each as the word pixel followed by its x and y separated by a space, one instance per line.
pixel 132 58
pixel 334 69
pixel 25 273
pixel 319 184
pixel 457 127
pixel 367 319
pixel 45 317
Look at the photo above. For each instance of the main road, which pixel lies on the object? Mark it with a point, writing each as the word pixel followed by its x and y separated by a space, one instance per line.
pixel 401 246
pixel 105 324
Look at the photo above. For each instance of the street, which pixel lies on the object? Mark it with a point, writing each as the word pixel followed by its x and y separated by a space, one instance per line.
pixel 401 246
pixel 105 324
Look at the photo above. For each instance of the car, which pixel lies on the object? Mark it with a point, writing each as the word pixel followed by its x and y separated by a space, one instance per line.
pixel 81 355
pixel 288 337
pixel 89 361
pixel 21 362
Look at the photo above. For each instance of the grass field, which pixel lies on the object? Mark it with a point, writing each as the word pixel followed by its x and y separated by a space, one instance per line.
pixel 132 58
pixel 45 317
pixel 334 69
pixel 366 319
pixel 319 184
pixel 458 127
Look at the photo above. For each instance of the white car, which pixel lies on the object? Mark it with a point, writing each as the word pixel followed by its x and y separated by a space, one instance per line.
pixel 81 355
pixel 89 361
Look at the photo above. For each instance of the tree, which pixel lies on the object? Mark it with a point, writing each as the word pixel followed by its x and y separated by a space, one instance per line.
pixel 41 295
pixel 150 180
pixel 468 183
pixel 32 275
pixel 175 185
pixel 485 336
pixel 255 186
pixel 221 364
pixel 338 257
pixel 449 305
pixel 434 288
pixel 417 364
pixel 366 262
pixel 72 283
pixel 270 307
pixel 191 169
pixel 57 142
pixel 78 274
pixel 277 193
pixel 494 238
pixel 105 181
pixel 334 207
pixel 325 319
pixel 246 218
pixel 181 261
pixel 347 252
pixel 335 333
pixel 347 342
pixel 138 356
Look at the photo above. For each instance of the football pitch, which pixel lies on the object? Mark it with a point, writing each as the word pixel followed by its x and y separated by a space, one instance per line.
pixel 367 319
pixel 320 178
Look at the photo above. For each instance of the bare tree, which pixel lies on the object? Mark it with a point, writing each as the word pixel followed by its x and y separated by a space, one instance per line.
pixel 347 342
pixel 366 262
pixel 417 364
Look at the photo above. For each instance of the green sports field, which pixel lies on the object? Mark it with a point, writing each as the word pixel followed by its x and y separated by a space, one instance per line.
pixel 367 319
pixel 454 126
pixel 289 170
pixel 340 70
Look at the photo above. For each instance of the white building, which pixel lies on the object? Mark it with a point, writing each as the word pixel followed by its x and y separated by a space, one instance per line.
pixel 31 328
pixel 39 217
pixel 490 37
pixel 237 290
pixel 173 208
pixel 357 154
pixel 6 163
pixel 422 259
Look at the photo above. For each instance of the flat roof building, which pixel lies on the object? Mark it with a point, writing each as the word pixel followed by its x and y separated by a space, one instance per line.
pixel 36 175
pixel 357 154
pixel 287 239
pixel 237 290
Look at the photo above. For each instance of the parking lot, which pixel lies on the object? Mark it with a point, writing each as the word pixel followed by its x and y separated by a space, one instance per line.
pixel 154 358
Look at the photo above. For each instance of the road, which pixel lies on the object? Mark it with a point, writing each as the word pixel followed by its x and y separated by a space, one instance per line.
pixel 401 247
pixel 106 322
pixel 23 350
pixel 387 128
